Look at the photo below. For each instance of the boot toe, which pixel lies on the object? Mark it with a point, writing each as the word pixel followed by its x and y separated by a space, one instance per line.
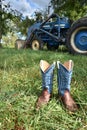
pixel 69 102
pixel 72 107
pixel 43 99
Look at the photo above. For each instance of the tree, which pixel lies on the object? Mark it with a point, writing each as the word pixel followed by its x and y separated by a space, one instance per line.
pixel 22 25
pixel 38 15
pixel 6 14
pixel 14 18
pixel 9 39
pixel 74 9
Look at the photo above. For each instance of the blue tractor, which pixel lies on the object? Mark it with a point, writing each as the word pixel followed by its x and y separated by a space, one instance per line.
pixel 56 31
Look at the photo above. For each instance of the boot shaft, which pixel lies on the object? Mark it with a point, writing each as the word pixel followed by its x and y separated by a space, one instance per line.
pixel 47 72
pixel 64 75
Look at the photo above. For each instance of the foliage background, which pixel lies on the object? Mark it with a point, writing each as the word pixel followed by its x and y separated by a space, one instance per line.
pixel 74 9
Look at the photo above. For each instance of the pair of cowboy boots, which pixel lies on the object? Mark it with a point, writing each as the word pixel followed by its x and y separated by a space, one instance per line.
pixel 64 75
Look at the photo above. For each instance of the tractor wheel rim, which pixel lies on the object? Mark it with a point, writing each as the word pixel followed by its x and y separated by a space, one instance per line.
pixel 35 45
pixel 79 40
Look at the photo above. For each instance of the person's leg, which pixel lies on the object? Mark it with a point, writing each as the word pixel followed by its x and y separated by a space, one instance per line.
pixel 47 72
pixel 64 80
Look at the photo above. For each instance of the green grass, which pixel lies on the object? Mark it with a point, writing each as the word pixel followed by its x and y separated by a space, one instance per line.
pixel 20 86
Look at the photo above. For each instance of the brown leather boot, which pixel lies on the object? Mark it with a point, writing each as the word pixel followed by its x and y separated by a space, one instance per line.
pixel 47 72
pixel 68 101
pixel 43 99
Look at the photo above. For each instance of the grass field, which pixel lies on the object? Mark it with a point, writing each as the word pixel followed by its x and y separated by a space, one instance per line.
pixel 20 86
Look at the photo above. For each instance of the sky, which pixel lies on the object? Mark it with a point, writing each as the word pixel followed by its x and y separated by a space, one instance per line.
pixel 28 7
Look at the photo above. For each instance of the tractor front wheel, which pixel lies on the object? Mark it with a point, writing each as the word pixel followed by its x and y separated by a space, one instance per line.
pixel 36 44
pixel 77 37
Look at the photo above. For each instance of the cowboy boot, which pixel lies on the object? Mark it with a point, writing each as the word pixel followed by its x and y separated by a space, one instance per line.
pixel 64 79
pixel 47 72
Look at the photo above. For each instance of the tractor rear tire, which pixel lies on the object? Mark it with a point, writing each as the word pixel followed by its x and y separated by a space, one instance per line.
pixel 36 44
pixel 77 37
